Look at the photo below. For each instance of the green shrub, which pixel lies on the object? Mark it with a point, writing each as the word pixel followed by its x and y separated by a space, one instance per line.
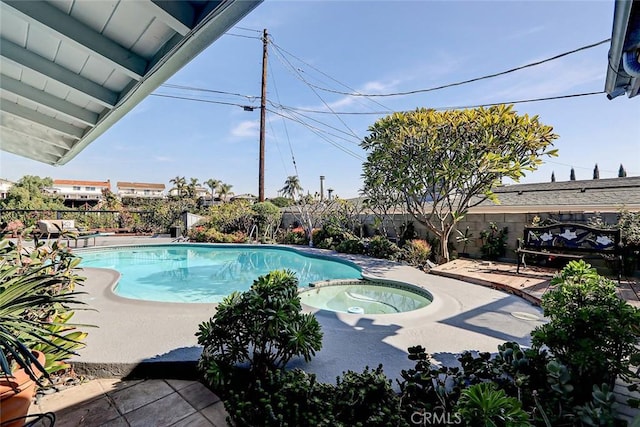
pixel 381 247
pixel 282 398
pixel 416 252
pixel 37 293
pixel 351 246
pixel 331 234
pixel 591 330
pixel 494 242
pixel 484 405
pixel 262 328
pixel 365 399
pixel 293 237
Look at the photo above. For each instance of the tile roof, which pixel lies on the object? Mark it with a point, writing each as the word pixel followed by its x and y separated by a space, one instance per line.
pixel 594 194
pixel 76 182
pixel 142 185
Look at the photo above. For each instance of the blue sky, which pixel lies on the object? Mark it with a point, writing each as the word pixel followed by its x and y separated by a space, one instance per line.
pixel 370 47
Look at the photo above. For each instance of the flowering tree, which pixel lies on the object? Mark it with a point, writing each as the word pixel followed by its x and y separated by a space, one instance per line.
pixel 443 163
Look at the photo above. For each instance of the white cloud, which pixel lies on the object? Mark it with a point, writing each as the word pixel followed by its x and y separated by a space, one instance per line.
pixel 162 159
pixel 247 128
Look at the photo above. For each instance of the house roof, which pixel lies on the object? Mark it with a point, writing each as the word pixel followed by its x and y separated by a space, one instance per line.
pixel 610 194
pixel 141 185
pixel 623 68
pixel 73 68
pixel 82 183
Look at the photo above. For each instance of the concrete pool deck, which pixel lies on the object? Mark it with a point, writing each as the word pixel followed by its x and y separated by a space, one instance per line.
pixel 134 334
pixel 141 339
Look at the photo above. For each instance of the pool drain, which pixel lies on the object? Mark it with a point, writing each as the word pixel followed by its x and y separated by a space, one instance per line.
pixel 355 310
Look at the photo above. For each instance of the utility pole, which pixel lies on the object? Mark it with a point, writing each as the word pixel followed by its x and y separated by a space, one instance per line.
pixel 263 115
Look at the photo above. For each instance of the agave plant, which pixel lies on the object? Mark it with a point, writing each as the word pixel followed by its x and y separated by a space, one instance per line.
pixel 36 288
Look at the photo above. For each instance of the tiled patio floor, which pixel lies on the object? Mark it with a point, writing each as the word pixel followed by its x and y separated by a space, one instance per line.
pixel 144 403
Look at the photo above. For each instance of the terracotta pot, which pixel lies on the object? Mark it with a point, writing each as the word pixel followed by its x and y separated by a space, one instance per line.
pixel 16 394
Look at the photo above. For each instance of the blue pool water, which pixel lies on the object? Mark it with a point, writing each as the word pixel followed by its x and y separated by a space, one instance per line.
pixel 206 273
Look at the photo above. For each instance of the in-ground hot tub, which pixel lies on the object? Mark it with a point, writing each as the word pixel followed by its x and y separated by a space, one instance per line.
pixel 365 296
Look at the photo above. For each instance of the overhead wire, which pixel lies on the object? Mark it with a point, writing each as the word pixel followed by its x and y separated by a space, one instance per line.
pixel 199 89
pixel 463 82
pixel 209 101
pixel 325 74
pixel 282 58
pixel 286 130
pixel 318 133
pixel 460 107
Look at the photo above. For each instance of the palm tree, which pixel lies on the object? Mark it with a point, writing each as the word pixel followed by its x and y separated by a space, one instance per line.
pixel 193 185
pixel 224 190
pixel 291 187
pixel 179 183
pixel 213 184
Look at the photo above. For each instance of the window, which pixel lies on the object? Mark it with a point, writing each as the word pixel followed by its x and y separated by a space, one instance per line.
pixel 147 192
pixel 90 188
pixel 77 188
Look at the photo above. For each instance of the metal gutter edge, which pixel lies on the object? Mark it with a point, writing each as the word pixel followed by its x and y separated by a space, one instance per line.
pixel 621 14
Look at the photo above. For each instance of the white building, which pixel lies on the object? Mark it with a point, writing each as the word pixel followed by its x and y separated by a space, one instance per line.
pixel 76 192
pixel 5 186
pixel 140 189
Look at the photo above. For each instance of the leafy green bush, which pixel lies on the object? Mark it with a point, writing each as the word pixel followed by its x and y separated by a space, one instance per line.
pixel 295 398
pixel 331 234
pixel 210 235
pixel 494 242
pixel 484 405
pixel 267 217
pixel 351 246
pixel 381 247
pixel 591 330
pixel 293 237
pixel 282 398
pixel 37 293
pixel 365 399
pixel 416 252
pixel 262 328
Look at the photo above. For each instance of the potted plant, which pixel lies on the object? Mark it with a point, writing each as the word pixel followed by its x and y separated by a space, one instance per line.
pixel 36 285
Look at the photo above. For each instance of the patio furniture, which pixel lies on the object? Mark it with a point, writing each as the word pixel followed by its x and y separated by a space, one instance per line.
pixel 570 241
pixel 55 227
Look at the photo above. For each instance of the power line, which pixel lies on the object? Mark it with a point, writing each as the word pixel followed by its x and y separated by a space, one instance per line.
pixel 322 72
pixel 461 107
pixel 445 86
pixel 243 36
pixel 318 133
pixel 246 107
pixel 315 92
pixel 247 29
pixel 199 89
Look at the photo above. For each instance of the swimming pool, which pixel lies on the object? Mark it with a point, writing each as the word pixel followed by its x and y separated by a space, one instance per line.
pixel 200 273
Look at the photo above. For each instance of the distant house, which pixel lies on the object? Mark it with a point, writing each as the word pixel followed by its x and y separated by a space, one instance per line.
pixel 248 197
pixel 5 186
pixel 201 192
pixel 79 193
pixel 140 189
